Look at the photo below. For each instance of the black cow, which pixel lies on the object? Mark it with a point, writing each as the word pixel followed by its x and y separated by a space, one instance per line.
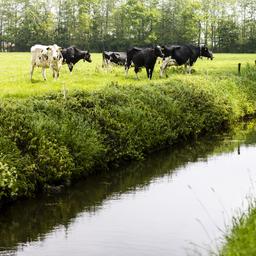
pixel 130 53
pixel 168 50
pixel 183 55
pixel 143 58
pixel 72 55
pixel 118 58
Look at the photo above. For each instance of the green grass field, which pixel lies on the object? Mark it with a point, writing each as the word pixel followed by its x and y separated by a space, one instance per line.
pixel 15 80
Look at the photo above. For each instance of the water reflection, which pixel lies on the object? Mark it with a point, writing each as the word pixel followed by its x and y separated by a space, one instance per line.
pixel 100 216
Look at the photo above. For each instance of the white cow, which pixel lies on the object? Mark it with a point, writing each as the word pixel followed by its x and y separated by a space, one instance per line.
pixel 46 57
pixel 167 63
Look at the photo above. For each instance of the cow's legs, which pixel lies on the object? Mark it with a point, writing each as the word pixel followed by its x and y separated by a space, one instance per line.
pixel 151 72
pixel 165 64
pixel 127 66
pixel 70 66
pixel 32 71
pixel 126 70
pixel 148 73
pixel 188 66
pixel 103 62
pixel 108 65
pixel 55 74
pixel 136 70
pixel 189 69
pixel 44 73
pixel 162 68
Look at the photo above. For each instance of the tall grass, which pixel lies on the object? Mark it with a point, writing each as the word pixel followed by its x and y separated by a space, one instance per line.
pixel 240 240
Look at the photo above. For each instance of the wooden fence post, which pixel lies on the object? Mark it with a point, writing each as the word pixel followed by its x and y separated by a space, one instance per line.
pixel 239 68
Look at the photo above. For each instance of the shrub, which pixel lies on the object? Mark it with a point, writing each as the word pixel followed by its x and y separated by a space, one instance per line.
pixel 47 140
pixel 8 180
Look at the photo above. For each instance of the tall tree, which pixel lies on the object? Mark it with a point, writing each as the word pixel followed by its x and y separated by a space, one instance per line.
pixel 224 25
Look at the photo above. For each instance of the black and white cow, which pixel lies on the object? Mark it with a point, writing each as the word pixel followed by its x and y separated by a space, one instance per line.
pixel 168 50
pixel 118 58
pixel 183 55
pixel 72 55
pixel 46 56
pixel 143 58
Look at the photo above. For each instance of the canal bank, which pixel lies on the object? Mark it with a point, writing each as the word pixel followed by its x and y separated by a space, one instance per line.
pixel 175 202
pixel 49 141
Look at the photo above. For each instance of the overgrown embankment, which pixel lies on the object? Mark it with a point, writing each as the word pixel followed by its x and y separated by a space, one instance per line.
pixel 240 241
pixel 47 141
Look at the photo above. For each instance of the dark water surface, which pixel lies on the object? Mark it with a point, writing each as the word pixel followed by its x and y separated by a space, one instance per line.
pixel 176 202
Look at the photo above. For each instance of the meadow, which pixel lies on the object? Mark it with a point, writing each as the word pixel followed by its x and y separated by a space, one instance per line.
pixel 15 79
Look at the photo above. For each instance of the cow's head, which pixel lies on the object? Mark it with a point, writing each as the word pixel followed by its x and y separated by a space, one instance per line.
pixel 158 51
pixel 114 57
pixel 56 54
pixel 164 50
pixel 87 56
pixel 205 52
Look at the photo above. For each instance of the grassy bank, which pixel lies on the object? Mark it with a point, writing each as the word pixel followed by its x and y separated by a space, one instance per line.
pixel 240 241
pixel 50 140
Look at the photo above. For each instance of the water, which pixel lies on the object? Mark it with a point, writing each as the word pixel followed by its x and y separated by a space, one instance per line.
pixel 176 202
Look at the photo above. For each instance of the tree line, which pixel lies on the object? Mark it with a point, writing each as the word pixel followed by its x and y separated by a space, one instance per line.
pixel 223 25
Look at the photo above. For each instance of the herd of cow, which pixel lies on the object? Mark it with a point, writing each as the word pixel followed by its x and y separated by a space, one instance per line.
pixel 53 56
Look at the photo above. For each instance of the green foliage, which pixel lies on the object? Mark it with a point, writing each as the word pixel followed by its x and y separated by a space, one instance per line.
pixel 48 140
pixel 54 162
pixel 8 180
pixel 45 149
pixel 240 241
pixel 250 72
pixel 117 24
pixel 228 31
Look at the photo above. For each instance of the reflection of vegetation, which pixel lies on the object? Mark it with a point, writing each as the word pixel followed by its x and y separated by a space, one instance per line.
pixel 28 220
pixel 240 240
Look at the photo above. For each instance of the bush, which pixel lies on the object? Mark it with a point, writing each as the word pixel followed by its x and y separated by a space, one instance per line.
pixel 8 180
pixel 47 141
